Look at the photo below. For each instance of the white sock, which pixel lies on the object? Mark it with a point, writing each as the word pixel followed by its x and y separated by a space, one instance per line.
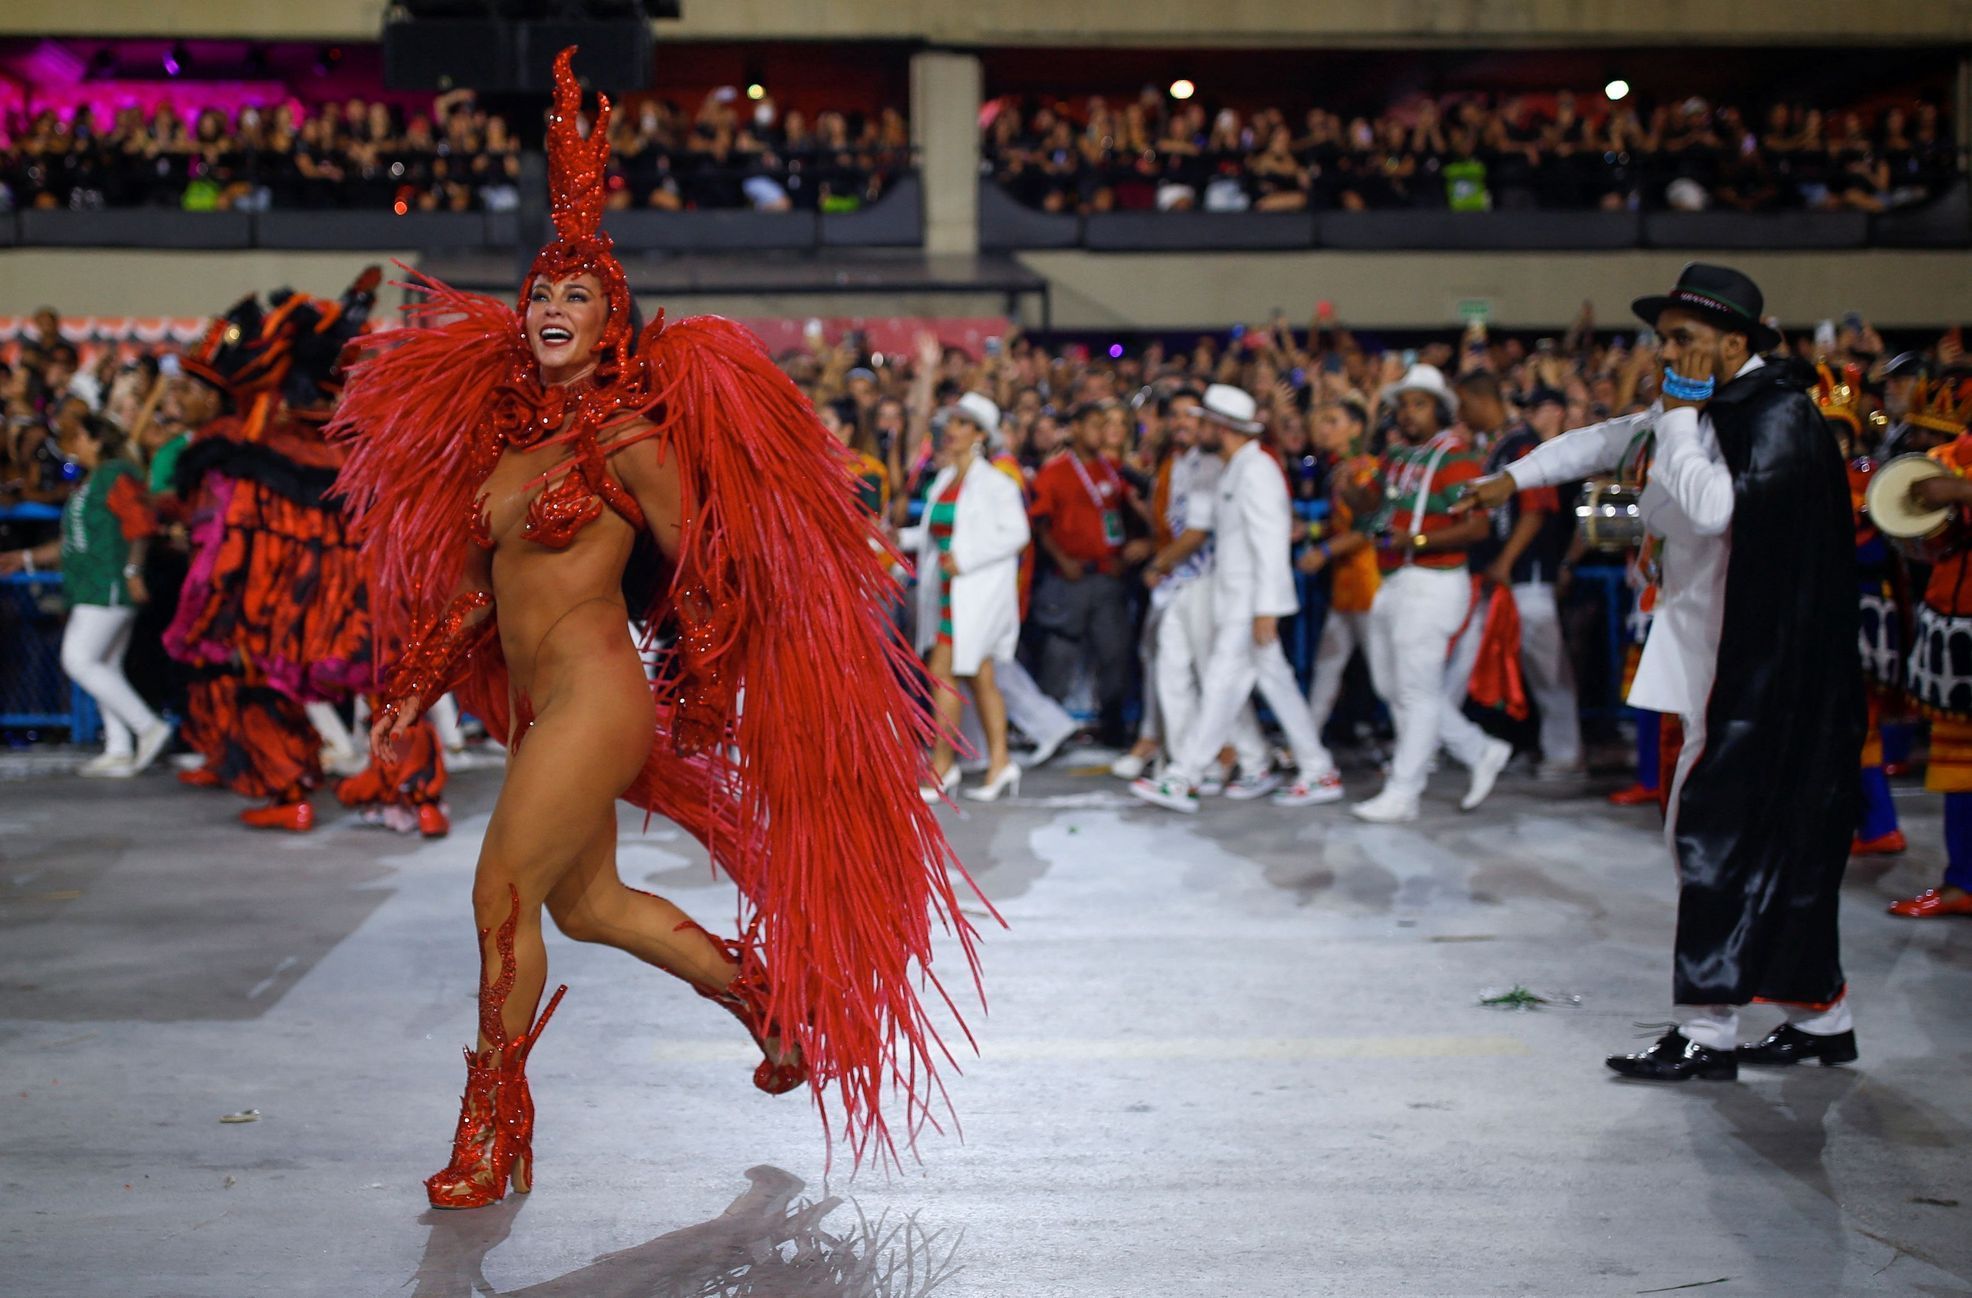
pixel 1830 1022
pixel 1714 1026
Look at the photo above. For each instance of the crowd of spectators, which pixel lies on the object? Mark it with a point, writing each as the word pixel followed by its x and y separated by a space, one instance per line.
pixel 888 407
pixel 1469 153
pixel 456 157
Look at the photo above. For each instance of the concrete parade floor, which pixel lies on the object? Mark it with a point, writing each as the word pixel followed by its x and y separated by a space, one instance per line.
pixel 1241 1053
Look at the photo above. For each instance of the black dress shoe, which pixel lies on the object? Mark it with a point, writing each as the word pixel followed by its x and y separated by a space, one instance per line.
pixel 1787 1044
pixel 1674 1059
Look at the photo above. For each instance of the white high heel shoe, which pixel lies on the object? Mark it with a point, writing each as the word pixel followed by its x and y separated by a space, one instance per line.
pixel 945 789
pixel 1008 780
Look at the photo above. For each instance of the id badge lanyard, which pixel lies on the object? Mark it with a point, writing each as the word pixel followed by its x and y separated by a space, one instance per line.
pixel 1112 520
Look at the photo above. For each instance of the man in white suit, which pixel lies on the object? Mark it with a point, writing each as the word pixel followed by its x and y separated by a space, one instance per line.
pixel 1252 589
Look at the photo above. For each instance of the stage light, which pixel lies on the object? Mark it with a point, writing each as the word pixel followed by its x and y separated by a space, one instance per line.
pixel 175 60
pixel 756 91
pixel 1182 89
pixel 1116 351
pixel 1617 90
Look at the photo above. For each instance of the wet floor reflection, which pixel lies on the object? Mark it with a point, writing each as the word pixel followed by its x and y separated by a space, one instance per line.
pixel 768 1243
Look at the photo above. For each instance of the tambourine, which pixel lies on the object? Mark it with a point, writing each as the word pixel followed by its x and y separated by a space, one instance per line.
pixel 1609 517
pixel 1922 533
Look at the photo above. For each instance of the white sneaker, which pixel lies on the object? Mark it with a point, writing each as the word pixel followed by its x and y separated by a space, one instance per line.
pixel 1386 808
pixel 1129 766
pixel 150 744
pixel 1252 785
pixel 186 761
pixel 104 766
pixel 1485 772
pixel 1169 793
pixel 1214 782
pixel 1305 792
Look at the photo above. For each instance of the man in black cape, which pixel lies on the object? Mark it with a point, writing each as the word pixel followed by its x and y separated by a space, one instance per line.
pixel 1745 495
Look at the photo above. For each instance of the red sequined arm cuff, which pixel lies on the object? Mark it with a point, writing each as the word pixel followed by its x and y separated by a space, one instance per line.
pixel 436 656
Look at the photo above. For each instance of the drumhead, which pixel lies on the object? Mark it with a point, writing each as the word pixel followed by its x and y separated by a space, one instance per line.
pixel 1888 498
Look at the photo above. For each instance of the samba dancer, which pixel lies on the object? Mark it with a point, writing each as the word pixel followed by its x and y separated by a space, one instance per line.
pixel 1944 627
pixel 1754 647
pixel 512 467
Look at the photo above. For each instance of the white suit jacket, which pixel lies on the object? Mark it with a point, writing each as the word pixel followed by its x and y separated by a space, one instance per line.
pixel 1687 502
pixel 1252 533
pixel 989 531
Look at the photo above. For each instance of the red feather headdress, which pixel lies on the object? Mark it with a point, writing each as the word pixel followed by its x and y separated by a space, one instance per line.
pixel 575 204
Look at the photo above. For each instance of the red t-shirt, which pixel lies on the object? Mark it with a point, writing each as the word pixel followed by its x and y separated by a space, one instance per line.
pixel 1083 504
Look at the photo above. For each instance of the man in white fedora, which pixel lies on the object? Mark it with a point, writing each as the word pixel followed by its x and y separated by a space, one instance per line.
pixel 1425 597
pixel 1252 589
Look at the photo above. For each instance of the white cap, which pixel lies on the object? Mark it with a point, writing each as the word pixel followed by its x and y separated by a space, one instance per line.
pixel 980 409
pixel 1231 407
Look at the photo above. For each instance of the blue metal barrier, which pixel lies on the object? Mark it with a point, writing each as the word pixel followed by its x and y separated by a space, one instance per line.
pixel 34 691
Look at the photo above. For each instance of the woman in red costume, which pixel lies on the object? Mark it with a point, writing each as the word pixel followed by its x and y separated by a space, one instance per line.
pixel 509 467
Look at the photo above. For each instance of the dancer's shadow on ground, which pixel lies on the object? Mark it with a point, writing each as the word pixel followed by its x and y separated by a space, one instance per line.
pixel 766 1244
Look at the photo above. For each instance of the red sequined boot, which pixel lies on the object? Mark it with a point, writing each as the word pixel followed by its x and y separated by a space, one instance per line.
pixel 745 998
pixel 494 1144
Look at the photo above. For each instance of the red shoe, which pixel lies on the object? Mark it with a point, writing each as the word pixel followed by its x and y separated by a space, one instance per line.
pixel 1890 844
pixel 1634 796
pixel 432 822
pixel 1931 904
pixel 493 1146
pixel 295 817
pixel 745 998
pixel 199 777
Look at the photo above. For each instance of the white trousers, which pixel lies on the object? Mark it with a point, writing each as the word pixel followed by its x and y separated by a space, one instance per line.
pixel 329 728
pixel 1544 663
pixel 1183 633
pixel 93 645
pixel 1029 708
pixel 1234 668
pixel 1342 635
pixel 1462 738
pixel 1417 613
pixel 1550 675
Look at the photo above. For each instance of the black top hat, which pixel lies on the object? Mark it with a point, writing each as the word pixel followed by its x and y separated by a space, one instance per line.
pixel 1720 295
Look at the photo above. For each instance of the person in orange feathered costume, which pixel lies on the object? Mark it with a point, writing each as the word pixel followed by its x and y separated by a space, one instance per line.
pixel 513 471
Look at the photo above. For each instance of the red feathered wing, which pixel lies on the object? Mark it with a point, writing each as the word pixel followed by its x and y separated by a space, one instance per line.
pixel 412 416
pixel 813 792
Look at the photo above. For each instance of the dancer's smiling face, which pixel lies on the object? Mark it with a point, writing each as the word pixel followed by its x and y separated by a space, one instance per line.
pixel 565 321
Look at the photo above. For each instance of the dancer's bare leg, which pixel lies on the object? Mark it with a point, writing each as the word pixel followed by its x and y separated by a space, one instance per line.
pixel 590 903
pixel 992 708
pixel 950 709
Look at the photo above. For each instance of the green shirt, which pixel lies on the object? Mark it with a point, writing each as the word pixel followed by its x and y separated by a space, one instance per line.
pixel 94 548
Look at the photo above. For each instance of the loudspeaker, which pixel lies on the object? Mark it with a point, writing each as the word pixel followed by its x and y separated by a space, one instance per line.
pixel 615 55
pixel 445 54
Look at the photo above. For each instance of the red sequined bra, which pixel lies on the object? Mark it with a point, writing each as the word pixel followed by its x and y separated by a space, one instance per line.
pixel 523 416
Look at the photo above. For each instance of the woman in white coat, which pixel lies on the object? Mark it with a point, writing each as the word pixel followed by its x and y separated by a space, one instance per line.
pixel 968 604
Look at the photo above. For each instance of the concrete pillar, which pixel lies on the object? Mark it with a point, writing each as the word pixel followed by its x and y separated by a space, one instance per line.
pixel 946 90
